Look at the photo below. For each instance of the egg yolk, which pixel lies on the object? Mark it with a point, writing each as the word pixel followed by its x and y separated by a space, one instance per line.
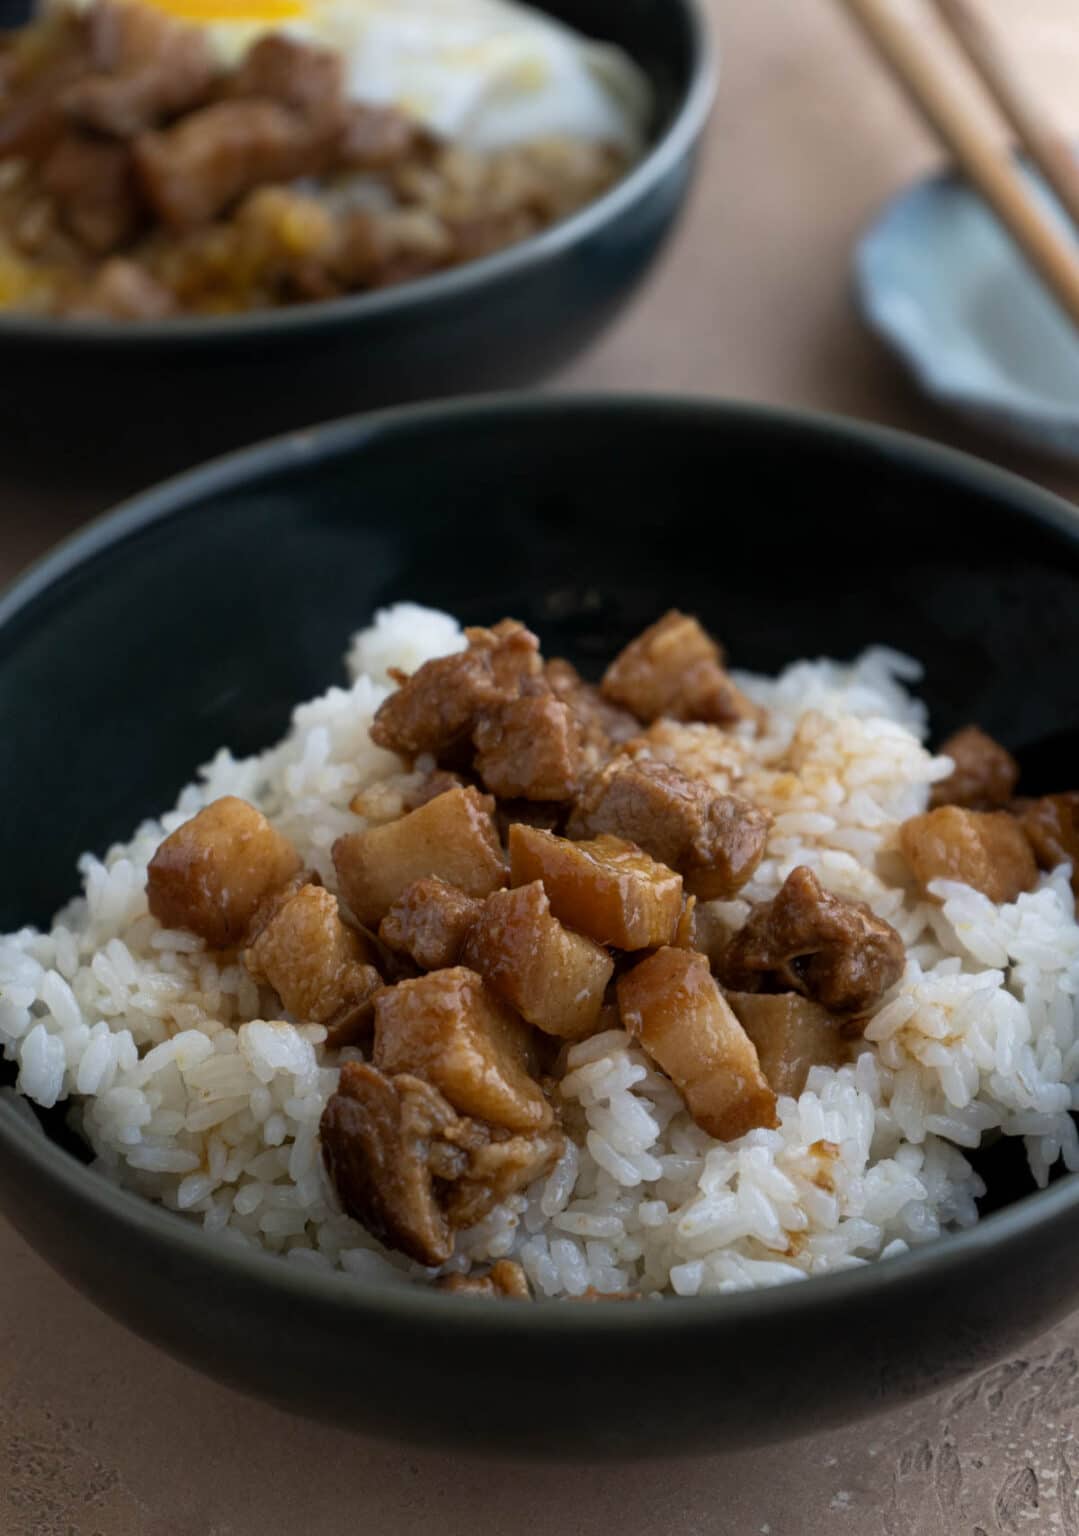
pixel 207 12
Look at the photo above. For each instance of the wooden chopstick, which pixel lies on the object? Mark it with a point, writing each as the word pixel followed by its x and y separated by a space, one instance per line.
pixel 1047 148
pixel 1038 234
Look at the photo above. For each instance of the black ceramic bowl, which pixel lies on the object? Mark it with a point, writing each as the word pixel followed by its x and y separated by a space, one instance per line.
pixel 125 404
pixel 200 613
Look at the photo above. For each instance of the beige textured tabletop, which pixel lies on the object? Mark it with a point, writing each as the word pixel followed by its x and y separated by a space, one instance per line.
pixel 100 1435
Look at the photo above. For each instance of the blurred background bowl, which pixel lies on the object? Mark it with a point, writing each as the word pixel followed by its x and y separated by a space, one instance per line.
pixel 202 612
pixel 121 404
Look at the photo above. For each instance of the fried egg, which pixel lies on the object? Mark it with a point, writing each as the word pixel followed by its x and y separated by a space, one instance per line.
pixel 483 73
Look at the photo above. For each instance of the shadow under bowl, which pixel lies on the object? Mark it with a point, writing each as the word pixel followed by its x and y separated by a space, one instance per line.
pixel 117 405
pixel 200 613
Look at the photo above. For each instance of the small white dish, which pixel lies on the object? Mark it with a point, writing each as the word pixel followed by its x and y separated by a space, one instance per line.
pixel 942 284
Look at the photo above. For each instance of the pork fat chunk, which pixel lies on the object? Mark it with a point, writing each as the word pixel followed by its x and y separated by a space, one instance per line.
pixel 1051 824
pixel 437 707
pixel 716 840
pixel 320 969
pixel 791 1035
pixel 213 874
pixel 984 776
pixel 452 837
pixel 606 888
pixel 451 1029
pixel 987 850
pixel 676 669
pixel 429 922
pixel 806 940
pixel 554 978
pixel 672 1005
pixel 505 1278
pixel 530 748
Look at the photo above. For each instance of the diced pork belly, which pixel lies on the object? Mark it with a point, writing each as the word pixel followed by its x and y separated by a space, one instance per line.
pixel 530 748
pixel 837 952
pixel 213 874
pixel 320 968
pixel 498 1168
pixel 676 669
pixel 554 978
pixel 672 1005
pixel 436 708
pixel 505 1278
pixel 606 888
pixel 791 1035
pixel 987 850
pixel 716 840
pixel 603 725
pixel 429 922
pixel 984 776
pixel 1051 825
pixel 93 186
pixel 452 837
pixel 451 1029
pixel 143 69
pixel 384 1145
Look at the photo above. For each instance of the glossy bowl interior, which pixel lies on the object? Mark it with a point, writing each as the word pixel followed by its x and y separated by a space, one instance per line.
pixel 120 405
pixel 200 613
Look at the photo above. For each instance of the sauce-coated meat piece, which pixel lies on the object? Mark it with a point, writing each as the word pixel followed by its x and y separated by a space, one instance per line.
pixel 987 850
pixel 530 747
pixel 320 968
pixel 806 940
pixel 437 707
pixel 213 874
pixel 716 840
pixel 606 888
pixel 143 69
pixel 554 978
pixel 676 669
pixel 385 1143
pixel 452 837
pixel 450 1028
pixel 791 1034
pixel 92 185
pixel 1051 824
pixel 672 1005
pixel 504 1278
pixel 499 1166
pixel 429 922
pixel 307 79
pixel 603 725
pixel 984 776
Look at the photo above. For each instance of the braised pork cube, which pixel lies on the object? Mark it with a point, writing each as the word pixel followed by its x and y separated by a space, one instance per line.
pixel 319 968
pixel 452 837
pixel 606 888
pixel 672 1005
pixel 675 668
pixel 143 68
pixel 213 874
pixel 505 1278
pixel 987 850
pixel 984 776
pixel 791 1035
pixel 530 748
pixel 437 707
pixel 716 840
pixel 451 1029
pixel 554 978
pixel 1051 824
pixel 498 1166
pixel 837 952
pixel 93 189
pixel 384 1143
pixel 429 922
pixel 603 725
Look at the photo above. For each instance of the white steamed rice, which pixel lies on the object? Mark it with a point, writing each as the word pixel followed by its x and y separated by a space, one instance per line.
pixel 187 1093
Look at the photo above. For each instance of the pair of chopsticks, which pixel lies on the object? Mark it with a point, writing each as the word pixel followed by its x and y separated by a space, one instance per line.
pixel 991 169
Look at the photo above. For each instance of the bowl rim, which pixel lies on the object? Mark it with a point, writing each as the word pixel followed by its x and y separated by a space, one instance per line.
pixel 660 159
pixel 418 1305
pixel 1022 412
